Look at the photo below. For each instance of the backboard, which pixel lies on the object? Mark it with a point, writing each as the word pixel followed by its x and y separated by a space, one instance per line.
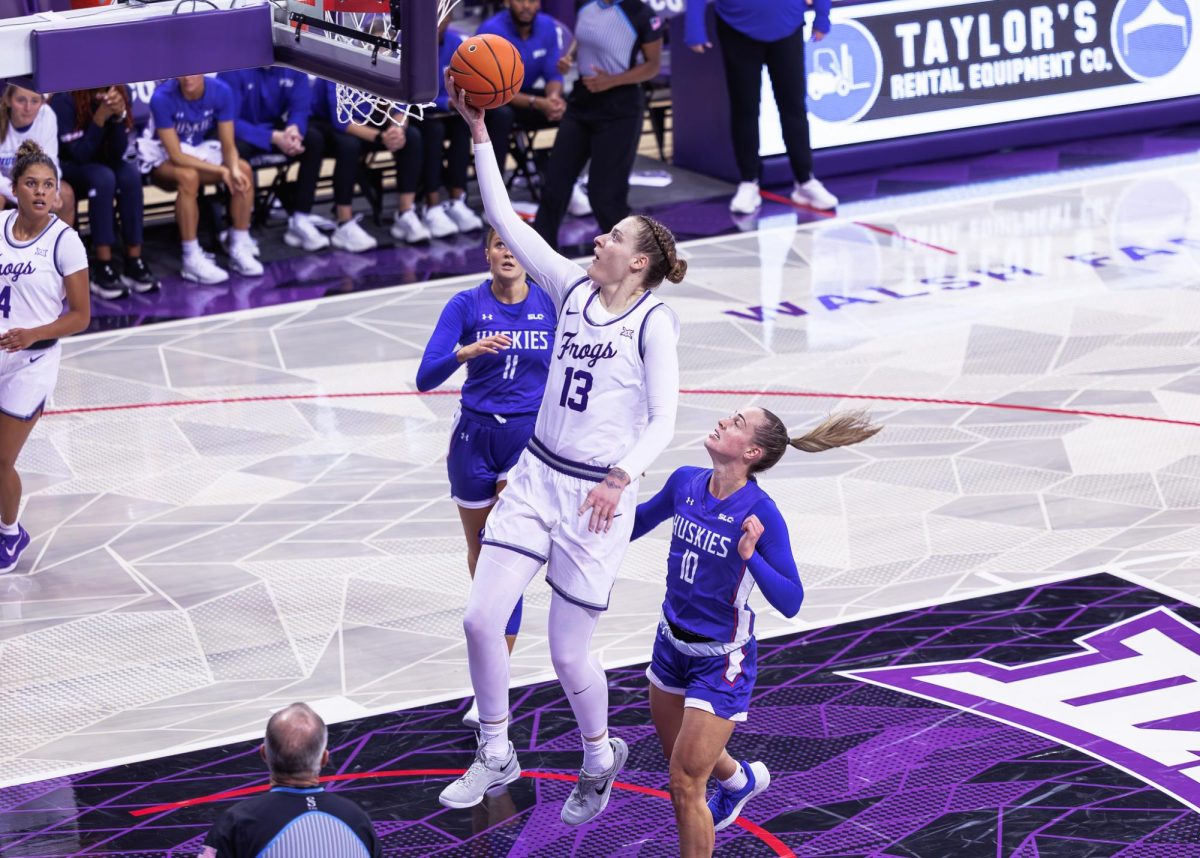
pixel 385 47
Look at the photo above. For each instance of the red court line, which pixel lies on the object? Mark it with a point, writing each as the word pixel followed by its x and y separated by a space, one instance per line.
pixel 781 849
pixel 804 394
pixel 788 201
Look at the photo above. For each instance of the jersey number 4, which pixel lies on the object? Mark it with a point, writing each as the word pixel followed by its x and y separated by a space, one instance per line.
pixel 575 389
pixel 6 300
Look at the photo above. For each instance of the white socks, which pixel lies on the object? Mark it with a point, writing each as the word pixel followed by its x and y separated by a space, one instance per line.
pixel 9 529
pixel 191 248
pixel 597 756
pixel 495 739
pixel 736 781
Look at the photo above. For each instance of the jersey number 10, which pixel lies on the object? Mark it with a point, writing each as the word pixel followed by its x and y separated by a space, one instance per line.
pixel 687 566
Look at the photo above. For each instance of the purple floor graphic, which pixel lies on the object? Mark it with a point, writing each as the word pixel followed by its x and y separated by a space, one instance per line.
pixel 893 737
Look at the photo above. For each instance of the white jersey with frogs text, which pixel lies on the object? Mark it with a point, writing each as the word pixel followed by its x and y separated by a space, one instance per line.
pixel 594 407
pixel 32 272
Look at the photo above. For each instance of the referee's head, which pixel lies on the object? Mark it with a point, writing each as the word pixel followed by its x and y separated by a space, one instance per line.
pixel 294 747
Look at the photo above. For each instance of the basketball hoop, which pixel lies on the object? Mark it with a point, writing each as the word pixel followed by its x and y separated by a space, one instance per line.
pixel 372 27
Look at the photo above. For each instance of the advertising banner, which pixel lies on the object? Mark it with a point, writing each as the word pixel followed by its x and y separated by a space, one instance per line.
pixel 899 68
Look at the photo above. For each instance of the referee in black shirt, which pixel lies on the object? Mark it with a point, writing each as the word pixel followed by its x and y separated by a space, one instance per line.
pixel 297 818
pixel 603 121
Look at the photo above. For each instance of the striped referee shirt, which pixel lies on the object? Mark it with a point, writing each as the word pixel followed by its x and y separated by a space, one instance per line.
pixel 611 33
pixel 288 822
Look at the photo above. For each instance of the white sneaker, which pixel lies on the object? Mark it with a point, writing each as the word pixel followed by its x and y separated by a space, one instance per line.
pixel 225 236
pixel 352 237
pixel 322 223
pixel 243 261
pixel 747 199
pixel 580 205
pixel 813 193
pixel 591 793
pixel 302 233
pixel 471 719
pixel 438 222
pixel 199 268
pixel 408 227
pixel 483 775
pixel 465 219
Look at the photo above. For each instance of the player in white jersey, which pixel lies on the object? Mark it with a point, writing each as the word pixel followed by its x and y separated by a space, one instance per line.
pixel 608 411
pixel 42 262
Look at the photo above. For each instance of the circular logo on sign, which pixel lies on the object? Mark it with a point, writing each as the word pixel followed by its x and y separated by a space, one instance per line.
pixel 843 72
pixel 1151 37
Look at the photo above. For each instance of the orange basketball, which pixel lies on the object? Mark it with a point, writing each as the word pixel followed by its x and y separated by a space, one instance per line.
pixel 488 69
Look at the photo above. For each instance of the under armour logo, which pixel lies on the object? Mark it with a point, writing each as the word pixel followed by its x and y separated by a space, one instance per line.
pixel 1152 661
pixel 487 317
pixel 691 502
pixel 627 332
pixel 464 436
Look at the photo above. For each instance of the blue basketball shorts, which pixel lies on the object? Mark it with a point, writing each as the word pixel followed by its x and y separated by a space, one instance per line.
pixel 482 450
pixel 719 684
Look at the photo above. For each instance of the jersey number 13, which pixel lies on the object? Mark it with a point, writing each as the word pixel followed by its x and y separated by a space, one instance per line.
pixel 575 389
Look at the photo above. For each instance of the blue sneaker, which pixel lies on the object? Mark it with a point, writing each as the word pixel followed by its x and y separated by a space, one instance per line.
pixel 727 806
pixel 11 548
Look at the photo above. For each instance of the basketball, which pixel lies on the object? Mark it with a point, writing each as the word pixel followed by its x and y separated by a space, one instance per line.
pixel 488 69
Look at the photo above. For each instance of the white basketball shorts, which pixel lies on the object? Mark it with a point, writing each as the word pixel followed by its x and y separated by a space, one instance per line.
pixel 27 379
pixel 538 515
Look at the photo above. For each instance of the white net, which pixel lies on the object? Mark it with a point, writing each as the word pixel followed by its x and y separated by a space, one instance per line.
pixel 367 108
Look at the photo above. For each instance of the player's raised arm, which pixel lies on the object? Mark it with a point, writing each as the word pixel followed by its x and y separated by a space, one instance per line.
pixel 553 272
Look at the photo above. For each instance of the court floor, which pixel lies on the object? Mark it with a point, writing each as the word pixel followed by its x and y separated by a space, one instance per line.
pixel 240 511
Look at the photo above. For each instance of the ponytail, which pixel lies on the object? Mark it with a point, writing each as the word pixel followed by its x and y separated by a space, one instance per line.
pixel 840 429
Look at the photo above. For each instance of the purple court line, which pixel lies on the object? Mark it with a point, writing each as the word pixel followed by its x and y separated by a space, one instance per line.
pixel 106 803
pixel 866 397
pixel 1129 690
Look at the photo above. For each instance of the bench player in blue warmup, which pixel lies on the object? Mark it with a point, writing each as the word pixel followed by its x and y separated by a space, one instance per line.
pixel 503 330
pixel 727 536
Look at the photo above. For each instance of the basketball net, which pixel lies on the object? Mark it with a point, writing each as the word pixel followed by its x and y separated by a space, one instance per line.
pixel 357 105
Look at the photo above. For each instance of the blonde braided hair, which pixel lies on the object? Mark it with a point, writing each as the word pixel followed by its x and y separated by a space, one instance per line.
pixel 658 243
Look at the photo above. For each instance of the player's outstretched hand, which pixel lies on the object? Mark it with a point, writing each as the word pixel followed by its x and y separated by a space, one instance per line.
pixel 15 339
pixel 752 529
pixel 603 500
pixel 485 346
pixel 458 100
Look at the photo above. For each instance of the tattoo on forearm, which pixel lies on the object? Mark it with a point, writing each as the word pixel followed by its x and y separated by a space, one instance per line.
pixel 617 478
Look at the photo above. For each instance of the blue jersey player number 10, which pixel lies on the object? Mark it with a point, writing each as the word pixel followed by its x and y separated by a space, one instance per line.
pixel 727 537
